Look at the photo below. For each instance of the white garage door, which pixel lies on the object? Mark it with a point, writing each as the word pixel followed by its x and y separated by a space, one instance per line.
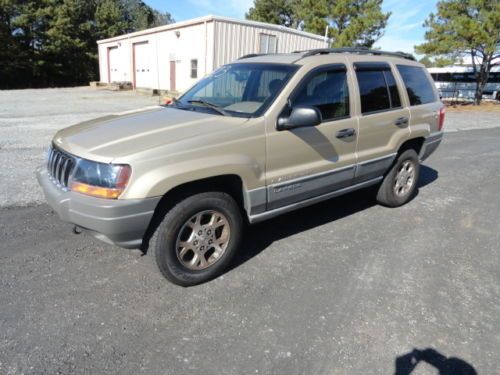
pixel 142 65
pixel 115 74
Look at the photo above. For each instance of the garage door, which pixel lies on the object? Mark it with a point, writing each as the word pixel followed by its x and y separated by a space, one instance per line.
pixel 114 65
pixel 142 65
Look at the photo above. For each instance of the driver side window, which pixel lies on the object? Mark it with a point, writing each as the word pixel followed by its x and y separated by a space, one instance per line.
pixel 326 90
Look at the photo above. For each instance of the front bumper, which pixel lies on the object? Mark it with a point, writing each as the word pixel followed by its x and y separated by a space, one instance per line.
pixel 431 143
pixel 120 222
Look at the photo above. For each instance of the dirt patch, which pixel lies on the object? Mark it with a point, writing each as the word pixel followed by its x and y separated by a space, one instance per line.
pixel 469 106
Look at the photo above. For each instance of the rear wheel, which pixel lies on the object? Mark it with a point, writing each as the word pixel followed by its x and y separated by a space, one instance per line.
pixel 399 185
pixel 198 238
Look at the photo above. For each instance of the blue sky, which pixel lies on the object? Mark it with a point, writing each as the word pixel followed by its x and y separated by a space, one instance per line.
pixel 402 33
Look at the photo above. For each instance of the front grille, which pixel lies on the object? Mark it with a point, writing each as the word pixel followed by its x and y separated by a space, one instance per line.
pixel 60 166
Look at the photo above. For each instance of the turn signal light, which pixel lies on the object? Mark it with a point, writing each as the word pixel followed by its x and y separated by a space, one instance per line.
pixel 95 191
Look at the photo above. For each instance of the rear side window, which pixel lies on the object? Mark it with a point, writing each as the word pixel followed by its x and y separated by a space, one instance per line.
pixel 418 85
pixel 326 90
pixel 377 87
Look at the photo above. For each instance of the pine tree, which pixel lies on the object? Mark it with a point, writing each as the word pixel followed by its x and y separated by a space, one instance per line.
pixel 466 28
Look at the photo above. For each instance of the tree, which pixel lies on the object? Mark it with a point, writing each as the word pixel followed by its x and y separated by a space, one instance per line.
pixel 279 12
pixel 350 22
pixel 109 18
pixel 54 42
pixel 426 61
pixel 160 19
pixel 466 28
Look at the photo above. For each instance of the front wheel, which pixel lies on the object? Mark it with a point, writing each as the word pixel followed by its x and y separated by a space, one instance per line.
pixel 399 184
pixel 198 238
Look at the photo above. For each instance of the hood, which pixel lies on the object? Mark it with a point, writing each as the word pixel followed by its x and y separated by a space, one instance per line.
pixel 112 137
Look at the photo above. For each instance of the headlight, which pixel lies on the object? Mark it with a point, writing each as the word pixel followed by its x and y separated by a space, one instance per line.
pixel 99 179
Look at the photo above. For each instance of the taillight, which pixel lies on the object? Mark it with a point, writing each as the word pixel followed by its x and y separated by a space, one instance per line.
pixel 442 111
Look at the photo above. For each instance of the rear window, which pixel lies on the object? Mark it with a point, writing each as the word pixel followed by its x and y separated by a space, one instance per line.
pixel 418 85
pixel 377 87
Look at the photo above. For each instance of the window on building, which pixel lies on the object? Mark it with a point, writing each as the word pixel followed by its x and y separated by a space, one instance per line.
pixel 326 90
pixel 268 43
pixel 418 86
pixel 377 87
pixel 194 68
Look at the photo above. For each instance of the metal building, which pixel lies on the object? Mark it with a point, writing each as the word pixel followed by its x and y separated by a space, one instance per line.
pixel 173 57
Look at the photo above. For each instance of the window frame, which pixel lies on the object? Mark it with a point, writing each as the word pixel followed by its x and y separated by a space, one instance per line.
pixel 340 67
pixel 377 66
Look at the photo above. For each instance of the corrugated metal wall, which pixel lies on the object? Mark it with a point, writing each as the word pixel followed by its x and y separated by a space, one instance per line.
pixel 233 40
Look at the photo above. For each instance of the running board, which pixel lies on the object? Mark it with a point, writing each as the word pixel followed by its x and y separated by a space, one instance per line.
pixel 295 206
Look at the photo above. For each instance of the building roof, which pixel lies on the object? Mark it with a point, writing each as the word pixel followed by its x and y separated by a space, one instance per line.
pixel 209 18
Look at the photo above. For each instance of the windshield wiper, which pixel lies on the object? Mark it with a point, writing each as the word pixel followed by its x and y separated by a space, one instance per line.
pixel 213 106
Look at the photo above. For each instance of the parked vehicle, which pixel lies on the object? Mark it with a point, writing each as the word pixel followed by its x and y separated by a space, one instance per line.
pixel 459 82
pixel 259 137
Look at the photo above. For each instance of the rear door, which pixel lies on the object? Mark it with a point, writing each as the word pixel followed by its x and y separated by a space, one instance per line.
pixel 383 119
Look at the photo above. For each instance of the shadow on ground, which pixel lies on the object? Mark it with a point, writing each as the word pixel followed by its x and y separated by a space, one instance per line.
pixel 265 233
pixel 406 363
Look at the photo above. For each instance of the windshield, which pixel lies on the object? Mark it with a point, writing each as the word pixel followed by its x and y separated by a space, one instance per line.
pixel 244 90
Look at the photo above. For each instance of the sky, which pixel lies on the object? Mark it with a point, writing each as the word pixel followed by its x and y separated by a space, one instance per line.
pixel 404 29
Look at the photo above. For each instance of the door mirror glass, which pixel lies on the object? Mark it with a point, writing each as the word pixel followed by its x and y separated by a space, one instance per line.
pixel 300 117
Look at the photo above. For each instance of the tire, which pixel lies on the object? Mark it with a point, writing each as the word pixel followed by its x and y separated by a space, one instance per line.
pixel 197 238
pixel 399 184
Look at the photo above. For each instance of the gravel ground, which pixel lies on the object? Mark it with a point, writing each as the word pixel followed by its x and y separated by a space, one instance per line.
pixel 345 287
pixel 30 118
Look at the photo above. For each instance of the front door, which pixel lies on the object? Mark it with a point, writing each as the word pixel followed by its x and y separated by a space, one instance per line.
pixel 310 161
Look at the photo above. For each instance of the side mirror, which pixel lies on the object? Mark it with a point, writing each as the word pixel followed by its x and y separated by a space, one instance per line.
pixel 300 117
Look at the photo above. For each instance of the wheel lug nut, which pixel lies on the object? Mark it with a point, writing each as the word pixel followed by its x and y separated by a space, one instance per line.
pixel 200 232
pixel 195 243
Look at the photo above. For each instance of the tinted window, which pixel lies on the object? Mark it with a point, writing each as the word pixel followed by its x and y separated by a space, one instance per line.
pixel 373 91
pixel 418 86
pixel 327 91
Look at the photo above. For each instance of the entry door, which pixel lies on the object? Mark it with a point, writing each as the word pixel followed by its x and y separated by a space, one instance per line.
pixel 311 161
pixel 114 65
pixel 172 75
pixel 142 65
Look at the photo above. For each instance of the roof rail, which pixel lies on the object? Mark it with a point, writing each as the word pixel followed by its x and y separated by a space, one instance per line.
pixel 358 50
pixel 250 55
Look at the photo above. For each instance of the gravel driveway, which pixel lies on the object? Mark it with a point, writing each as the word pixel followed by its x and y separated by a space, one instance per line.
pixel 29 120
pixel 344 287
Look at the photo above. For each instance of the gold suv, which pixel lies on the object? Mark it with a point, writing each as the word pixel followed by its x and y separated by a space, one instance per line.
pixel 259 137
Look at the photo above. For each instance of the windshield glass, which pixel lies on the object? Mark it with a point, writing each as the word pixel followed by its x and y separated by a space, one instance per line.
pixel 244 90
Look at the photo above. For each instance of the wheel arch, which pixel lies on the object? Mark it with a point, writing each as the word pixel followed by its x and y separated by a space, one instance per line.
pixel 413 143
pixel 231 184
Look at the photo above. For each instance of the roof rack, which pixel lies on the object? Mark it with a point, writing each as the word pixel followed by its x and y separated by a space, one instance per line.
pixel 358 50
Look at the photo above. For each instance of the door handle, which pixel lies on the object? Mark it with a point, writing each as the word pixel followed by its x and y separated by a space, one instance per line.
pixel 401 121
pixel 344 133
